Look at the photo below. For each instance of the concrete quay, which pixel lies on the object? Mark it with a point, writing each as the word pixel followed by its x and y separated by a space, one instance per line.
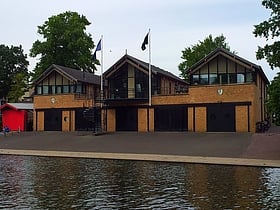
pixel 210 148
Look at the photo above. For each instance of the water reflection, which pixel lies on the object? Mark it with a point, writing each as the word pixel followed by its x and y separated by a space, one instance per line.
pixel 68 183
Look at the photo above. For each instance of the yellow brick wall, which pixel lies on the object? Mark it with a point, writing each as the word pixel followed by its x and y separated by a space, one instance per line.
pixel 65 121
pixel 152 122
pixel 209 94
pixel 73 120
pixel 200 119
pixel 40 121
pixel 111 120
pixel 59 101
pixel 142 120
pixel 231 93
pixel 241 118
pixel 190 119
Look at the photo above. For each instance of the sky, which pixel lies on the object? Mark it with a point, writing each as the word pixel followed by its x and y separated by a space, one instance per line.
pixel 174 24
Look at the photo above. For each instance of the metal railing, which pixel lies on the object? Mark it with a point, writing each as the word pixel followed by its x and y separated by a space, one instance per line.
pixel 133 93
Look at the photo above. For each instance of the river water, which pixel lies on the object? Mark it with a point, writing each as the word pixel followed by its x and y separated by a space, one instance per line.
pixel 28 182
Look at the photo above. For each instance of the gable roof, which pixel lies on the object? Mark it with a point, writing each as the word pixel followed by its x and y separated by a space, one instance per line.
pixel 231 56
pixel 71 74
pixel 142 66
pixel 17 106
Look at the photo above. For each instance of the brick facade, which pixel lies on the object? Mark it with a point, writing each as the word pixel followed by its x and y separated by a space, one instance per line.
pixel 244 95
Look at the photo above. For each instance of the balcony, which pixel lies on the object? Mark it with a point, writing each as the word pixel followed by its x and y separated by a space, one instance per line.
pixel 143 96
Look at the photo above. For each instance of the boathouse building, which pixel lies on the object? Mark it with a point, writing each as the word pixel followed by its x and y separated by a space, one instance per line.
pixel 225 93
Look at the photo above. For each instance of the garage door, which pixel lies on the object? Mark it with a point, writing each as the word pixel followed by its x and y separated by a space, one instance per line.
pixel 171 118
pixel 52 120
pixel 127 119
pixel 221 118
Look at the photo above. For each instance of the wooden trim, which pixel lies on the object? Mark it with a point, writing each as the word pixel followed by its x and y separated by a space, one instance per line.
pixel 194 119
pixel 148 119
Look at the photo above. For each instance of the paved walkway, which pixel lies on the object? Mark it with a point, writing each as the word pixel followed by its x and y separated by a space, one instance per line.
pixel 218 148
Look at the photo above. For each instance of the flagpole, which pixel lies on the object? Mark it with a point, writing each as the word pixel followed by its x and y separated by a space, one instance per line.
pixel 150 71
pixel 101 77
pixel 101 88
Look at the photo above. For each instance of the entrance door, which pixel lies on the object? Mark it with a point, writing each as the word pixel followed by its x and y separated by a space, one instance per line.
pixel 171 118
pixel 52 120
pixel 221 118
pixel 127 119
pixel 85 119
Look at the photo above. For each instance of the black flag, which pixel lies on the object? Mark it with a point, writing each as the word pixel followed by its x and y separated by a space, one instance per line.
pixel 145 42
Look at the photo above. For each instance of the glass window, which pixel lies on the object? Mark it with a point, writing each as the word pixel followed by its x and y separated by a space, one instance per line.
pixel 53 89
pixel 65 88
pixel 213 79
pixel 240 78
pixel 39 90
pixel 72 88
pixel 204 79
pixel 58 89
pixel 138 88
pixel 45 89
pixel 223 79
pixel 249 77
pixel 232 78
pixel 195 79
pixel 79 89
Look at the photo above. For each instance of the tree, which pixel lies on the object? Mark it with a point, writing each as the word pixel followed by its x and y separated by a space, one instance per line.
pixel 270 29
pixel 12 62
pixel 273 103
pixel 65 43
pixel 18 86
pixel 193 54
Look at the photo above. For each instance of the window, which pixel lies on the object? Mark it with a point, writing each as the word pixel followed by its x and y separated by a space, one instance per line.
pixel 240 78
pixel 213 79
pixel 195 79
pixel 223 79
pixel 72 88
pixel 45 89
pixel 65 89
pixel 39 90
pixel 79 89
pixel 249 77
pixel 232 78
pixel 204 79
pixel 53 89
pixel 59 89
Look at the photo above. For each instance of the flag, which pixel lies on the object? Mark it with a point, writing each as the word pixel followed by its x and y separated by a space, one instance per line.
pixel 145 42
pixel 98 48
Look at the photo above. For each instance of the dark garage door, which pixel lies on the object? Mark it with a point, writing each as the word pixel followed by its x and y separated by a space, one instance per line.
pixel 221 118
pixel 171 118
pixel 127 119
pixel 52 120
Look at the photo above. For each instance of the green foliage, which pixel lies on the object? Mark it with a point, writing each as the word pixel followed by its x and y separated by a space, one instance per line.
pixel 270 29
pixel 18 86
pixel 65 43
pixel 273 103
pixel 193 54
pixel 12 62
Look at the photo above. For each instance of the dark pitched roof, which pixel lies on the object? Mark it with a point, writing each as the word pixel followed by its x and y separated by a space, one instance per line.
pixel 72 74
pixel 141 64
pixel 233 57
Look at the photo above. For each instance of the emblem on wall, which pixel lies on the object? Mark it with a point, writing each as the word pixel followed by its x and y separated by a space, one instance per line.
pixel 52 100
pixel 220 91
